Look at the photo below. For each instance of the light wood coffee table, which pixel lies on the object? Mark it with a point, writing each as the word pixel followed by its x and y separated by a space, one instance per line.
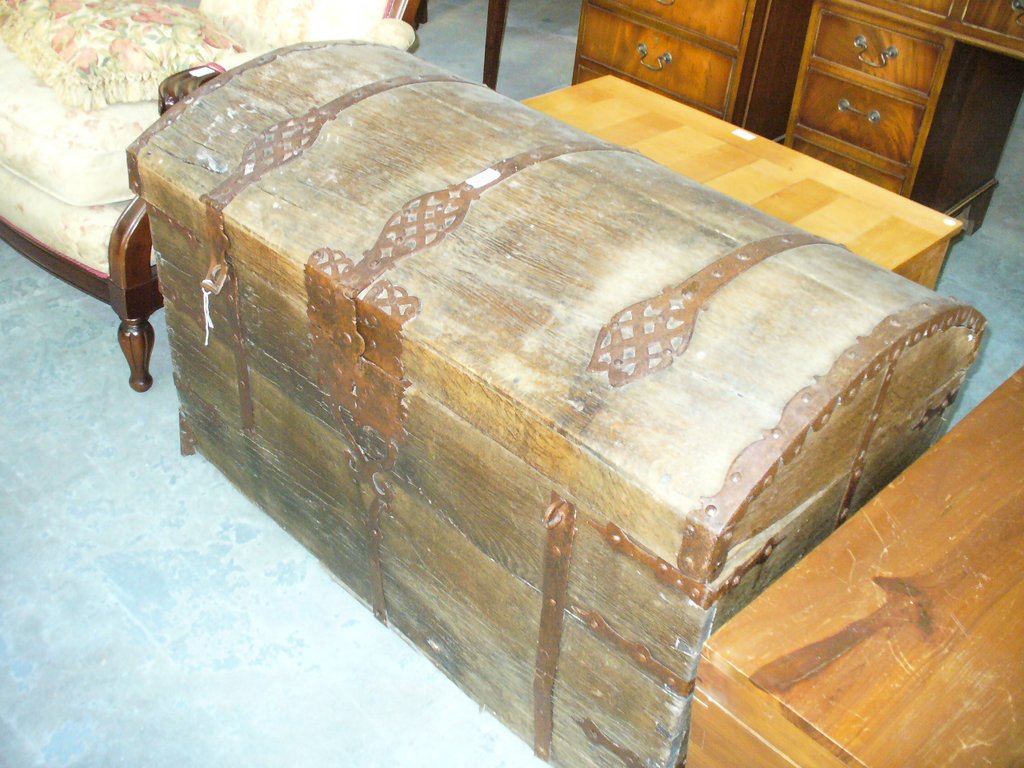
pixel 881 226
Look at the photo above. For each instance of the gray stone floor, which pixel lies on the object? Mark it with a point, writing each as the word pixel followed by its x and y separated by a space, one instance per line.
pixel 150 616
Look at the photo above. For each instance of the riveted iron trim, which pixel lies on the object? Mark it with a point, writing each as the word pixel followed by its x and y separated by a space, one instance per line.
pixel 186 435
pixel 663 570
pixel 596 736
pixel 703 548
pixel 638 652
pixel 860 457
pixel 701 594
pixel 649 335
pixel 174 113
pixel 241 354
pixel 936 411
pixel 275 147
pixel 428 219
pixel 357 348
pixel 560 521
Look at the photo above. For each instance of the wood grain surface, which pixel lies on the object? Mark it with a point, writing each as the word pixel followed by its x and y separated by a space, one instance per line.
pixel 885 228
pixel 898 642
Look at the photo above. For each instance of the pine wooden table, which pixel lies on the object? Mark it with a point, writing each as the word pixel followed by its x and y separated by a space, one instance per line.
pixel 879 225
pixel 900 640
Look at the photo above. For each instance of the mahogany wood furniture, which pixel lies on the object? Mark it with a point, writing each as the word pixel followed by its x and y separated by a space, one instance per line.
pixel 550 409
pixel 130 288
pixel 917 96
pixel 497 15
pixel 735 59
pixel 881 226
pixel 900 640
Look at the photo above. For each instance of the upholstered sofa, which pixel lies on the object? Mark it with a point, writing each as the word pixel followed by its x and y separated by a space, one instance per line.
pixel 78 83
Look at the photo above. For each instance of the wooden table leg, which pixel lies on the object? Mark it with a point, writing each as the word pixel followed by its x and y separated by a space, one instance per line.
pixel 497 14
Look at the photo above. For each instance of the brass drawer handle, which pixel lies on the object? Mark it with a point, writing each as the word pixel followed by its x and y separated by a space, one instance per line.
pixel 861 44
pixel 1016 5
pixel 665 58
pixel 666 2
pixel 874 116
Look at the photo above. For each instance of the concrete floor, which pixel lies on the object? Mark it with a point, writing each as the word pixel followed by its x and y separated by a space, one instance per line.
pixel 150 616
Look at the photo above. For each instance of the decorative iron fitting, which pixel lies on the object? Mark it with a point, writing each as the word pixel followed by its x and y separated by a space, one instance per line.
pixel 638 652
pixel 275 147
pixel 648 336
pixel 428 219
pixel 703 548
pixel 560 521
pixel 174 113
pixel 357 348
pixel 597 737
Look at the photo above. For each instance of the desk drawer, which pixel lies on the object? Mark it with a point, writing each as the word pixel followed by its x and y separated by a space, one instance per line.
pixel 878 51
pixel 843 163
pixel 861 117
pixel 685 70
pixel 720 20
pixel 1004 17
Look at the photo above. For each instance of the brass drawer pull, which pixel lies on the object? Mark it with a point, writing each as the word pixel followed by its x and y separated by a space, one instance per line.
pixel 665 58
pixel 666 2
pixel 1016 5
pixel 874 116
pixel 861 44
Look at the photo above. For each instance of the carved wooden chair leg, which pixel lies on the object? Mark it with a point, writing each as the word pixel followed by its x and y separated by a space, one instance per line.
pixel 134 291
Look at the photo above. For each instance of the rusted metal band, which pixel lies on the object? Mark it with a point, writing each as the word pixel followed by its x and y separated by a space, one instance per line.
pixel 357 350
pixel 596 736
pixel 662 570
pixel 278 145
pixel 638 652
pixel 560 521
pixel 375 478
pixel 861 454
pixel 703 548
pixel 648 336
pixel 701 593
pixel 172 114
pixel 426 220
pixel 246 408
pixel 186 436
pixel 936 411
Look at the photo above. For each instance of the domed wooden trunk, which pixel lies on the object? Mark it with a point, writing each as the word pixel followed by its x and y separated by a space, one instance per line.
pixel 551 410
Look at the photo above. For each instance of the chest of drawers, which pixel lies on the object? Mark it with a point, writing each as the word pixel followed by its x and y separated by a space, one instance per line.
pixel 734 59
pixel 917 96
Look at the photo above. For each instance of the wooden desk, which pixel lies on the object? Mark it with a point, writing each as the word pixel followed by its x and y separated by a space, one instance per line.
pixel 900 640
pixel 917 96
pixel 879 225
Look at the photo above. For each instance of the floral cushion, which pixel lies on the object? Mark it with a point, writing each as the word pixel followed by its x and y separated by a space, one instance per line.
pixel 77 157
pixel 104 52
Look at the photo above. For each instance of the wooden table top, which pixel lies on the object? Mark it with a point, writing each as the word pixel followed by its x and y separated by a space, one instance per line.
pixel 900 640
pixel 881 226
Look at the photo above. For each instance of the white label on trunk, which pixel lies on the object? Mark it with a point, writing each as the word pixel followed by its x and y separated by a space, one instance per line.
pixel 483 178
